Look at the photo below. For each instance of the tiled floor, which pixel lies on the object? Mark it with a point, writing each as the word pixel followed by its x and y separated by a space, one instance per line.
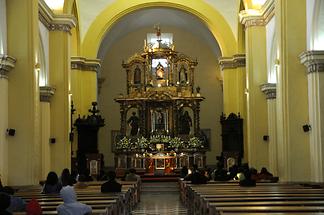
pixel 160 198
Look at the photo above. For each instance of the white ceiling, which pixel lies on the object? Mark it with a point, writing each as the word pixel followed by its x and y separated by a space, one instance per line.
pixel 164 17
pixel 88 11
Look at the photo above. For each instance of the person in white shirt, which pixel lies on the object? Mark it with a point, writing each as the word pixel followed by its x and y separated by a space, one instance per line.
pixel 71 206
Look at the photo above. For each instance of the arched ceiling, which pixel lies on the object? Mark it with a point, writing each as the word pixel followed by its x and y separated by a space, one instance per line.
pixel 164 17
pixel 88 10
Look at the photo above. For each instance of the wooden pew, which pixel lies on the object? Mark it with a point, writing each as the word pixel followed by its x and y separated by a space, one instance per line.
pixel 220 197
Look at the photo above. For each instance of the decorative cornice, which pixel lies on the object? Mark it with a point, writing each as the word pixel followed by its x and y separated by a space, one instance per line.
pixel 260 17
pixel 46 93
pixel 85 64
pixel 7 63
pixel 269 89
pixel 55 22
pixel 236 61
pixel 313 60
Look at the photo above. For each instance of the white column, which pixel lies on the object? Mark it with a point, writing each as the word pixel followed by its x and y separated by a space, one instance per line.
pixel 3 27
pixel 270 91
pixel 314 61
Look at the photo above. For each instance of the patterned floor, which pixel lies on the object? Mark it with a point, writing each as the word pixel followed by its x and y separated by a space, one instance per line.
pixel 160 198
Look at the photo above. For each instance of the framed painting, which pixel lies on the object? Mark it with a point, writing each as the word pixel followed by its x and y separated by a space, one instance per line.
pixel 160 163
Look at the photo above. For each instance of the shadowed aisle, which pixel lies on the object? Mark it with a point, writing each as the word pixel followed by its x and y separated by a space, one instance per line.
pixel 160 198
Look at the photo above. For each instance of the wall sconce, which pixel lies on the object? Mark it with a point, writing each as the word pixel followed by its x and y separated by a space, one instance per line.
pixel 265 137
pixel 11 131
pixel 307 127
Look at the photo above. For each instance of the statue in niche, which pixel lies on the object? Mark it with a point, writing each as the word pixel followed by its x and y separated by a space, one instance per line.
pixel 159 71
pixel 137 75
pixel 183 75
pixel 185 123
pixel 159 120
pixel 133 122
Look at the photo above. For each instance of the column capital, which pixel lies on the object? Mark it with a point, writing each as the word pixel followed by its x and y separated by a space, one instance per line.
pixel 7 63
pixel 46 93
pixel 238 60
pixel 85 64
pixel 55 22
pixel 270 90
pixel 313 60
pixel 253 17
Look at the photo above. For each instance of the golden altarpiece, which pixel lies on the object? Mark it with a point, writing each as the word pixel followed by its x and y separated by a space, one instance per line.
pixel 159 130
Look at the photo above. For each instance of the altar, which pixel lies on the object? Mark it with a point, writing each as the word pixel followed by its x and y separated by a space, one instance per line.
pixel 160 112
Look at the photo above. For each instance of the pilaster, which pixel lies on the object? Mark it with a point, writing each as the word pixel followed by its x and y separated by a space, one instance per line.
pixel 46 93
pixel 59 73
pixel 292 98
pixel 269 89
pixel 23 100
pixel 7 63
pixel 314 62
pixel 84 82
pixel 255 37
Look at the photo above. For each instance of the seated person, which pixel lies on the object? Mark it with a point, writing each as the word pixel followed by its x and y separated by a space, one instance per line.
pixel 81 182
pixel 4 204
pixel 196 177
pixel 132 176
pixel 184 172
pixel 264 174
pixel 52 184
pixel 247 181
pixel 111 185
pixel 71 205
pixel 33 207
pixel 17 204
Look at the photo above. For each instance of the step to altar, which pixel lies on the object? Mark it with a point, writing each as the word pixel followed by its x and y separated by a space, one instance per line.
pixel 159 178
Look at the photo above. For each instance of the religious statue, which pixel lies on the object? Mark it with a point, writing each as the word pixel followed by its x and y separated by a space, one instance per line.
pixel 185 123
pixel 159 71
pixel 137 75
pixel 159 121
pixel 183 76
pixel 133 122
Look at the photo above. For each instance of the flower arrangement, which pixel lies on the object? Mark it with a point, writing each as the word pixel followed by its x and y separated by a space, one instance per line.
pixel 195 143
pixel 176 143
pixel 160 139
pixel 123 143
pixel 142 143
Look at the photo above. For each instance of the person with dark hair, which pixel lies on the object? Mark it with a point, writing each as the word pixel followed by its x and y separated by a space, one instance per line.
pixel 4 204
pixel 132 176
pixel 111 185
pixel 66 178
pixel 71 205
pixel 17 204
pixel 196 176
pixel 52 184
pixel 184 172
pixel 247 180
pixel 264 174
pixel 81 182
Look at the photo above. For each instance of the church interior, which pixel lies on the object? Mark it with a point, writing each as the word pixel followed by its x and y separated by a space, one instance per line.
pixel 157 85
